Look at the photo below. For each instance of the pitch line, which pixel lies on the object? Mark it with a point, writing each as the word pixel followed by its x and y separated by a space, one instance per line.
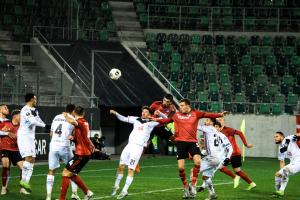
pixel 156 191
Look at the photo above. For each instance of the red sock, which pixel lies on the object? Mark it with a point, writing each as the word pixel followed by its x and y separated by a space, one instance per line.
pixel 244 176
pixel 183 178
pixel 76 179
pixel 4 176
pixel 225 170
pixel 196 171
pixel 64 187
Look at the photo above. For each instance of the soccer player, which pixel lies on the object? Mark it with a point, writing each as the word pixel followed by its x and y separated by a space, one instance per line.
pixel 185 137
pixel 10 152
pixel 83 150
pixel 236 158
pixel 142 127
pixel 60 148
pixel 291 147
pixel 278 138
pixel 29 119
pixel 167 108
pixel 218 152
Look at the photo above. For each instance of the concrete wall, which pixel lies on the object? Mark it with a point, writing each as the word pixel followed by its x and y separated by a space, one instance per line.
pixel 260 131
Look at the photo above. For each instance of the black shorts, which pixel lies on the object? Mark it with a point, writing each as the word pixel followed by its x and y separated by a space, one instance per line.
pixel 236 161
pixel 76 163
pixel 184 148
pixel 13 156
pixel 161 132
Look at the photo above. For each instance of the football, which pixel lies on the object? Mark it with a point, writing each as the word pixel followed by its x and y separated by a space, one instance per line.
pixel 115 74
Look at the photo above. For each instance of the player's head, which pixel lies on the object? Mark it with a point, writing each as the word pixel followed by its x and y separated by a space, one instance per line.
pixel 210 121
pixel 167 100
pixel 218 126
pixel 147 112
pixel 221 120
pixel 185 106
pixel 70 108
pixel 278 137
pixel 4 111
pixel 30 99
pixel 15 115
pixel 79 111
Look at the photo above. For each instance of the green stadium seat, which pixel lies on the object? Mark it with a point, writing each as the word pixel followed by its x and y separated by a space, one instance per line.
pixel 295 60
pixel 176 57
pixel 292 99
pixel 143 17
pixel 194 49
pixel 246 60
pixel 277 109
pixel 267 40
pixel 150 37
pixel 196 39
pixel 223 69
pixel 210 69
pixel 220 50
pixel 243 40
pixel 258 70
pixel 104 36
pixel 288 51
pixel 227 97
pixel 273 89
pixel 266 50
pixel 198 67
pixel 266 98
pixel 262 79
pixel 175 67
pixel 288 80
pixel 264 108
pixel 215 106
pixel 254 50
pixel 279 98
pixel 261 88
pixel 271 60
pixel 224 78
pixel 3 61
pixel 202 96
pixel 226 87
pixel 249 23
pixel 153 56
pixel 167 47
pixel 213 88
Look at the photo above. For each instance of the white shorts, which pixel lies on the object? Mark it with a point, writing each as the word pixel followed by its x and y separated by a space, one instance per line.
pixel 64 154
pixel 209 165
pixel 292 168
pixel 26 146
pixel 131 155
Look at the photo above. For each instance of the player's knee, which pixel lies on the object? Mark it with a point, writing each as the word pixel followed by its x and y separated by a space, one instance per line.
pixel 130 172
pixel 181 169
pixel 5 162
pixel 67 173
pixel 204 178
pixel 121 168
pixel 236 170
pixel 51 172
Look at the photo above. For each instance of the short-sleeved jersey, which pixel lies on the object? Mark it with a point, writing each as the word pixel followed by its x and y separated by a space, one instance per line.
pixel 82 142
pixel 8 143
pixel 186 124
pixel 230 133
pixel 29 119
pixel 61 130
pixel 141 131
pixel 158 105
pixel 216 144
pixel 281 156
pixel 293 150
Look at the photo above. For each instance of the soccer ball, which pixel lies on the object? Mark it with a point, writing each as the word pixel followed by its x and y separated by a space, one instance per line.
pixel 115 74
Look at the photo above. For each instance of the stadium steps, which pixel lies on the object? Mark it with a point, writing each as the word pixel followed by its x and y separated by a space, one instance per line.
pixel 127 23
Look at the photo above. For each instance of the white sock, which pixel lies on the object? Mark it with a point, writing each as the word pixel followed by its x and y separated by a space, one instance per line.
pixel 284 181
pixel 50 181
pixel 29 172
pixel 74 187
pixel 118 180
pixel 25 167
pixel 277 183
pixel 128 182
pixel 203 185
pixel 209 186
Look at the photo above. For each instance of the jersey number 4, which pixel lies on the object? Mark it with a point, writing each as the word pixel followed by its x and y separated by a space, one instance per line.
pixel 58 130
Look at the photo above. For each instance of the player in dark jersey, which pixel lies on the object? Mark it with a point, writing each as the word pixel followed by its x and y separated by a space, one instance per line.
pixel 236 159
pixel 83 150
pixel 185 137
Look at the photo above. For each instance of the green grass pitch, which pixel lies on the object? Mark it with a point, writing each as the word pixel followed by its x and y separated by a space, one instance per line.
pixel 159 180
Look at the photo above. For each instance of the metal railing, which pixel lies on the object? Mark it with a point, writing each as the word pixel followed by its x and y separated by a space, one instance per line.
pixel 224 18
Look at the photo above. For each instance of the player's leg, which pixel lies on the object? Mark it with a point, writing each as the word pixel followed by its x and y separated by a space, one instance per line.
pixel 284 173
pixel 182 153
pixel 236 162
pixel 236 178
pixel 19 163
pixel 209 185
pixel 195 152
pixel 66 155
pixel 134 157
pixel 53 161
pixel 5 172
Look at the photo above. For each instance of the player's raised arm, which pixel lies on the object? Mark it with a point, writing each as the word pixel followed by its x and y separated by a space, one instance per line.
pixel 122 118
pixel 243 138
pixel 201 114
pixel 34 119
pixel 70 119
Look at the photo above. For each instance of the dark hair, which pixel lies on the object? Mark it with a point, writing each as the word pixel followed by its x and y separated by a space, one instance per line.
pixel 79 110
pixel 15 112
pixel 216 123
pixel 280 133
pixel 28 97
pixel 169 97
pixel 70 108
pixel 148 108
pixel 186 101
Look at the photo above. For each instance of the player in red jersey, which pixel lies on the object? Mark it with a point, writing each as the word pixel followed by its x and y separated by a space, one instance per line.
pixel 10 151
pixel 236 159
pixel 185 137
pixel 165 106
pixel 83 150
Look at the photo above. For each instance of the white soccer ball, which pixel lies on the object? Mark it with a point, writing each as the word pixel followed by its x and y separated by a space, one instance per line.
pixel 115 74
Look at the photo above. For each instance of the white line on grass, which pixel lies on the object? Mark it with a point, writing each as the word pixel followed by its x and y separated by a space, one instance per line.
pixel 156 191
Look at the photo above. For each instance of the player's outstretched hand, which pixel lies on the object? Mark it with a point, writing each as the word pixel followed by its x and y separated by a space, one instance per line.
pixel 224 113
pixel 249 145
pixel 113 112
pixel 71 137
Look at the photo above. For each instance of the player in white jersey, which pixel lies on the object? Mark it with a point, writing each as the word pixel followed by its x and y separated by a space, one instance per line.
pixel 278 138
pixel 291 147
pixel 29 119
pixel 142 128
pixel 218 152
pixel 60 148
